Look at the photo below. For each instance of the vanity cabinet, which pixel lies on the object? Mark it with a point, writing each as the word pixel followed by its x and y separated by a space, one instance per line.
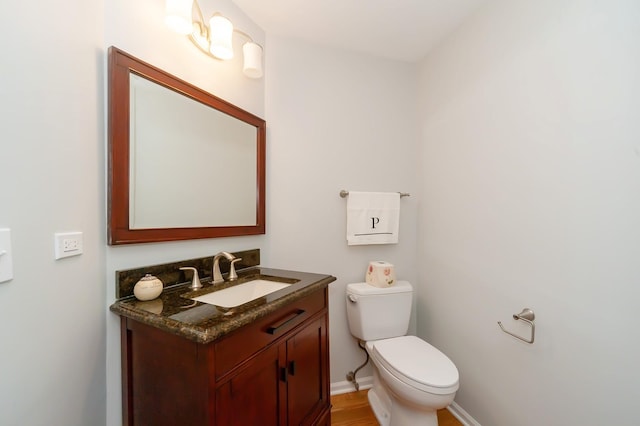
pixel 292 370
pixel 272 371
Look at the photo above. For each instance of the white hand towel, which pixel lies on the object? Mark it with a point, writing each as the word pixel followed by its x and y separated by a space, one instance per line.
pixel 373 218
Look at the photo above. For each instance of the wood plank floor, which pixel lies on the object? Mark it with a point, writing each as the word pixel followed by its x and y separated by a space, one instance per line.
pixel 352 409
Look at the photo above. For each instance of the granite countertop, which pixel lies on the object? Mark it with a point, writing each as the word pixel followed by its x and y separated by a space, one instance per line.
pixel 174 311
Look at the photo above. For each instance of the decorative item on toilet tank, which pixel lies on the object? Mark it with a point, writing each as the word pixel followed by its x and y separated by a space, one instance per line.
pixel 380 274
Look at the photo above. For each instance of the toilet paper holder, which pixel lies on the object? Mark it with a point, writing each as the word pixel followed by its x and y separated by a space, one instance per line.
pixel 528 317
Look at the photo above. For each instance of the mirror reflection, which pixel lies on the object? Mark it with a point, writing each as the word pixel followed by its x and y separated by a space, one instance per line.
pixel 183 150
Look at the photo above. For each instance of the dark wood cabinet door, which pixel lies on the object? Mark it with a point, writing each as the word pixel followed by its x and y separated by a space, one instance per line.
pixel 307 367
pixel 252 395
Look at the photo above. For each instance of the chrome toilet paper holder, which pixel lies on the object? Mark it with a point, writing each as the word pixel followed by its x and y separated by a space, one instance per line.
pixel 528 317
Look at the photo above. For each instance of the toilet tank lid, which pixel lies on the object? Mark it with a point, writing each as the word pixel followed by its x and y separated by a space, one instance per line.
pixel 365 289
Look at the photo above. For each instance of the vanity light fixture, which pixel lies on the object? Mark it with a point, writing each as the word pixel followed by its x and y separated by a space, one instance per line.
pixel 214 39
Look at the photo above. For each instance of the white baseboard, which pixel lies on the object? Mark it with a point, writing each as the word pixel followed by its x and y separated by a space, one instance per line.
pixel 458 412
pixel 462 415
pixel 346 387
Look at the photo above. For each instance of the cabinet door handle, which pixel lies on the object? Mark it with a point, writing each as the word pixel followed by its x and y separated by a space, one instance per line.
pixel 283 374
pixel 275 328
pixel 292 368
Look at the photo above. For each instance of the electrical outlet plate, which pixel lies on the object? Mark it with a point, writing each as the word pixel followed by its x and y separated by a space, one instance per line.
pixel 68 244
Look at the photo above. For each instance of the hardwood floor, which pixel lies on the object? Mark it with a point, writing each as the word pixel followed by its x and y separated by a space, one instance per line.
pixel 352 409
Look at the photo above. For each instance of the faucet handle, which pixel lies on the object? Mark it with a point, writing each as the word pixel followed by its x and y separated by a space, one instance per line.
pixel 232 269
pixel 195 283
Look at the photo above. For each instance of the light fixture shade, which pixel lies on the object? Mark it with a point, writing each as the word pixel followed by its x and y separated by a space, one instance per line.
pixel 252 60
pixel 221 30
pixel 178 15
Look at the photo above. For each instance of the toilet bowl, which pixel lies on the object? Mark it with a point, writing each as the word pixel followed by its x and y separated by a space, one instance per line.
pixel 412 379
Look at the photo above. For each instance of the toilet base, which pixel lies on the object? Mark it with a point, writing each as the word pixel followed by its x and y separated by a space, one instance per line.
pixel 390 411
pixel 380 408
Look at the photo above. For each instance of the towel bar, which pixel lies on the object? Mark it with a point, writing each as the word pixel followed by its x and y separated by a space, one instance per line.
pixel 344 194
pixel 527 316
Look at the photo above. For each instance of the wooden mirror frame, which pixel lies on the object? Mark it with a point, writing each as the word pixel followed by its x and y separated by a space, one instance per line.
pixel 121 64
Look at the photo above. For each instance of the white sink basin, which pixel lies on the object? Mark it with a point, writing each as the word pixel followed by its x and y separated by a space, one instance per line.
pixel 241 293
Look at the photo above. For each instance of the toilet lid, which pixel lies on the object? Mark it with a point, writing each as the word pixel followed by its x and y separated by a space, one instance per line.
pixel 416 362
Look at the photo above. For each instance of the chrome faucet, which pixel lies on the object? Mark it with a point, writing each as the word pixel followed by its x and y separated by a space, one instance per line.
pixel 217 275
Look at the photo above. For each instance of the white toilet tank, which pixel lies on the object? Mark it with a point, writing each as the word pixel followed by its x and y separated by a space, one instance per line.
pixel 379 313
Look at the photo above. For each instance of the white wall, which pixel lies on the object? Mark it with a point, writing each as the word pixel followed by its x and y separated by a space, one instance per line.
pixel 138 28
pixel 52 315
pixel 337 120
pixel 530 171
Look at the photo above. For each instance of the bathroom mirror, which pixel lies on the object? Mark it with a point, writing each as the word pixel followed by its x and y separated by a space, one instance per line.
pixel 183 164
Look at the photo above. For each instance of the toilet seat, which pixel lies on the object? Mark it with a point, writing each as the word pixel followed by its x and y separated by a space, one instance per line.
pixel 416 363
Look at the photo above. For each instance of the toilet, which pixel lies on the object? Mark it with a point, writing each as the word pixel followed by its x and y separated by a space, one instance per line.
pixel 411 378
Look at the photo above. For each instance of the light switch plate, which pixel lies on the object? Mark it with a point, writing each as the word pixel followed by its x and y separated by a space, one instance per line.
pixel 6 261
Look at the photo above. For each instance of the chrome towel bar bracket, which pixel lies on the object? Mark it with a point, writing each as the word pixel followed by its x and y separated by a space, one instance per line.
pixel 527 316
